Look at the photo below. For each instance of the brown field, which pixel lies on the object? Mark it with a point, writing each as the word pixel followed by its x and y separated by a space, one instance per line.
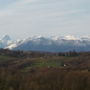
pixel 44 71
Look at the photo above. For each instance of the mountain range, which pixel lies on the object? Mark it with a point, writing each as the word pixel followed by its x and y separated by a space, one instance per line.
pixel 52 44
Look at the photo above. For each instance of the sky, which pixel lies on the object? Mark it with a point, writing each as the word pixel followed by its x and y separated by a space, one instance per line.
pixel 25 18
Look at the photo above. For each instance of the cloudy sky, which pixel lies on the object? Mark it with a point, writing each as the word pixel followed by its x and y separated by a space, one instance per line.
pixel 24 18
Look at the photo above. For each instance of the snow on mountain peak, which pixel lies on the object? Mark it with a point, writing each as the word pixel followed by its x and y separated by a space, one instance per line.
pixel 6 38
pixel 56 37
pixel 87 38
pixel 69 37
pixel 55 43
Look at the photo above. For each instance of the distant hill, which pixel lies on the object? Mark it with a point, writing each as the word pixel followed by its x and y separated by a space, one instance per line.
pixel 52 44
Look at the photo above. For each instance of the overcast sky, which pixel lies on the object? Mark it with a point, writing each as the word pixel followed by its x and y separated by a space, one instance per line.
pixel 25 18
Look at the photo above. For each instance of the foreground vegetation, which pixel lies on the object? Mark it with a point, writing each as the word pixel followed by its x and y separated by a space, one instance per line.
pixel 44 71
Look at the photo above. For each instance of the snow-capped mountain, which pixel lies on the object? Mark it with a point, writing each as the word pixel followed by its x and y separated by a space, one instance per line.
pixel 52 44
pixel 5 41
pixel 6 38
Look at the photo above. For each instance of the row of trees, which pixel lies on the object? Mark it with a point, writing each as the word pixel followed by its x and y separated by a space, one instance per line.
pixel 35 54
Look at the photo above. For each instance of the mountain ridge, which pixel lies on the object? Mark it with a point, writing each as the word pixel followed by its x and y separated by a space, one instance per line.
pixel 51 44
